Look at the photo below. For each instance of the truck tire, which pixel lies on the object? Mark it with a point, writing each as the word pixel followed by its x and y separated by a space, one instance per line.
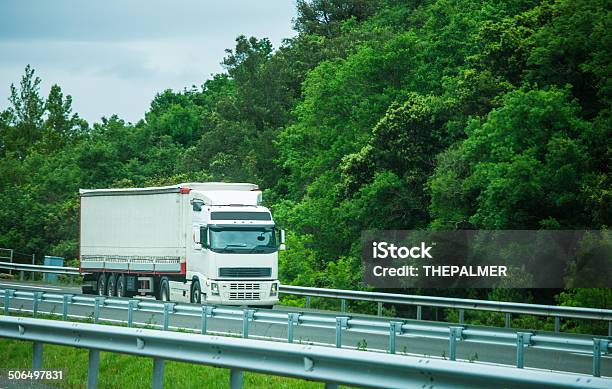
pixel 196 292
pixel 111 288
pixel 122 286
pixel 101 284
pixel 163 293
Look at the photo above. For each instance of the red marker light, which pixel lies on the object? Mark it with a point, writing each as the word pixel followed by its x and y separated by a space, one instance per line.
pixel 184 190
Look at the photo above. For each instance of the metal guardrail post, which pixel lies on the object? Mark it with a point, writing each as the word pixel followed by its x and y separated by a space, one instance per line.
pixel 37 355
pixel 395 327
pixel 93 368
pixel 610 328
pixel 523 339
pixel 331 386
pixel 419 314
pixel 341 323
pixel 37 298
pixel 66 299
pixel 20 275
pixel 461 316
pixel 132 304
pixel 307 301
pixel 454 334
pixel 8 293
pixel 507 320
pixel 11 260
pixel 207 311
pixel 557 323
pixel 292 319
pixel 235 379
pixel 249 314
pixel 598 345
pixel 32 274
pixel 99 301
pixel 342 305
pixel 158 373
pixel 168 309
pixel 379 309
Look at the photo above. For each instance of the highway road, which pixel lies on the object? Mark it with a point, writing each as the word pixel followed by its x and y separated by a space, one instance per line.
pixel 409 344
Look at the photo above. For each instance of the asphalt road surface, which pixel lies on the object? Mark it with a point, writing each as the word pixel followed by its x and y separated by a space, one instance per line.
pixel 406 343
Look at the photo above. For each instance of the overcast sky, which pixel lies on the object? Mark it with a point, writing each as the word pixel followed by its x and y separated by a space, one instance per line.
pixel 113 56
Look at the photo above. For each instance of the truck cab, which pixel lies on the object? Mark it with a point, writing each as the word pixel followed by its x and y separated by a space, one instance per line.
pixel 234 249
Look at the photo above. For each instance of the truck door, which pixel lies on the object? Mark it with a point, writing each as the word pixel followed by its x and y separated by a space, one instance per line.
pixel 199 248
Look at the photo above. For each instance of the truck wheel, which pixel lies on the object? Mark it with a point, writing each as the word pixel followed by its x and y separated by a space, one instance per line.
pixel 112 285
pixel 196 292
pixel 121 286
pixel 164 290
pixel 102 284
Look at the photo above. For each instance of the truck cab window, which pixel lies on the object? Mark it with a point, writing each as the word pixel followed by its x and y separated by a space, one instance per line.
pixel 243 239
pixel 204 237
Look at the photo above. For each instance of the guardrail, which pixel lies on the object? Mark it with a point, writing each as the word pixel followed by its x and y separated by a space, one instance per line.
pixel 507 308
pixel 7 254
pixel 453 333
pixel 73 271
pixel 332 366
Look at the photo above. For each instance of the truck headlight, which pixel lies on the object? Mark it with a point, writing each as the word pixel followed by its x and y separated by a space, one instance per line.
pixel 214 288
pixel 274 289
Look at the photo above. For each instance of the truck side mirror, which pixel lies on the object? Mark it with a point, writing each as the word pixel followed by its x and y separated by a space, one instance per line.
pixel 204 237
pixel 196 239
pixel 282 241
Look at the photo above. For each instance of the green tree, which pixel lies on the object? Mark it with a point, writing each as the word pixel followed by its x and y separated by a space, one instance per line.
pixel 323 17
pixel 523 166
pixel 25 116
pixel 60 124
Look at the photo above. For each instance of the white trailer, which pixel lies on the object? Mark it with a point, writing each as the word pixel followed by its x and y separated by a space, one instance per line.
pixel 198 242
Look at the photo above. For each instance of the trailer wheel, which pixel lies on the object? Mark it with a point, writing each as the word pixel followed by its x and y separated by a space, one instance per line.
pixel 164 290
pixel 121 286
pixel 111 288
pixel 196 292
pixel 101 284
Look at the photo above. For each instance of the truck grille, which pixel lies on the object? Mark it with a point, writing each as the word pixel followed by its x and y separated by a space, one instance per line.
pixel 244 296
pixel 244 287
pixel 245 272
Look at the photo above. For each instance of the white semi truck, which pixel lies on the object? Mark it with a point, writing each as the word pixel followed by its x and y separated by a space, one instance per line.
pixel 197 242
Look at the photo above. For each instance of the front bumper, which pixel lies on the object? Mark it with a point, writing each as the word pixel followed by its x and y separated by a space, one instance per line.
pixel 241 292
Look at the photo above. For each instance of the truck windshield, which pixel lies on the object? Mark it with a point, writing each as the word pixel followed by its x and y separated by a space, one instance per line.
pixel 243 240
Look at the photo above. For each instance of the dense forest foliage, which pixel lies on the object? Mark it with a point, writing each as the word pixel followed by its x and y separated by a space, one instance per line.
pixel 378 114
